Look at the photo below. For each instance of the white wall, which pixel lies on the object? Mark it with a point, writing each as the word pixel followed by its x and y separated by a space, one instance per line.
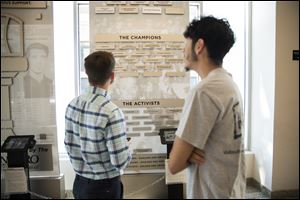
pixel 67 170
pixel 263 81
pixel 286 114
pixel 64 56
pixel 275 95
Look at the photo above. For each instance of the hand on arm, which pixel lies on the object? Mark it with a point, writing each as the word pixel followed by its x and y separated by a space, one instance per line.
pixel 182 154
pixel 197 157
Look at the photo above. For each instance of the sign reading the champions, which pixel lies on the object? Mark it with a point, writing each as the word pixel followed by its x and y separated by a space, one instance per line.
pixel 139 38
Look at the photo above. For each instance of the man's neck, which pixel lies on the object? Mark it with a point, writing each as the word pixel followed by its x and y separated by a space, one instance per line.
pixel 104 87
pixel 205 67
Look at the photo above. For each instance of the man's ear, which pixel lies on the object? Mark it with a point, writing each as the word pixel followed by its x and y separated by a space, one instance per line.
pixel 112 77
pixel 199 46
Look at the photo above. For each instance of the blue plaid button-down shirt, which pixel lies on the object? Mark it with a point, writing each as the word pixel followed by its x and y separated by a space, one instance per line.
pixel 95 137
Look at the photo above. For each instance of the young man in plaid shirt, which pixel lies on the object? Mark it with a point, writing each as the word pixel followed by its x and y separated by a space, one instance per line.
pixel 95 134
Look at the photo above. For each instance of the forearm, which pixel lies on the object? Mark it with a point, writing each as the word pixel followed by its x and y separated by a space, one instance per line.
pixel 175 167
pixel 180 153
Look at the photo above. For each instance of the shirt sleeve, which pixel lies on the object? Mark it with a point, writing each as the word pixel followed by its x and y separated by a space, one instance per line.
pixel 198 119
pixel 116 141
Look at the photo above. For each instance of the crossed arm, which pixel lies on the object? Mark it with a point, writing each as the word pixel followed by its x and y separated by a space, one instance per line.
pixel 182 154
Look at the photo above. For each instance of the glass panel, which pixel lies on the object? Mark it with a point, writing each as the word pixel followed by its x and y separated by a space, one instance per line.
pixel 84 83
pixel 84 52
pixel 194 11
pixel 84 42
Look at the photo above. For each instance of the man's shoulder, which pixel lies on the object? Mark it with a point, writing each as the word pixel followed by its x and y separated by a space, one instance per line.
pixel 74 101
pixel 112 110
pixel 202 87
pixel 111 107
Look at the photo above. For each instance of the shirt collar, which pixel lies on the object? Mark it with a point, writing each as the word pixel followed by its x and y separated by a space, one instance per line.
pixel 216 71
pixel 97 90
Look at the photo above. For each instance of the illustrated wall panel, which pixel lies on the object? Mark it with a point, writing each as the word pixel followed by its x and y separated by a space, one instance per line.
pixel 146 38
pixel 27 58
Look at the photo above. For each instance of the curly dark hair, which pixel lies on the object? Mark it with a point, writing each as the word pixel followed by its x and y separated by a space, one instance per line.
pixel 216 33
pixel 99 66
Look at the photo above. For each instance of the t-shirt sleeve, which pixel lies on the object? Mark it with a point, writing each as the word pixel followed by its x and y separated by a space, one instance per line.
pixel 199 116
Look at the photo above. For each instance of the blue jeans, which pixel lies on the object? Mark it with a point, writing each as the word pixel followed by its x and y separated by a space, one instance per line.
pixel 85 188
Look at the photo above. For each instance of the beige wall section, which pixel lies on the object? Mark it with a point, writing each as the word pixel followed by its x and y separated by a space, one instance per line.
pixel 286 113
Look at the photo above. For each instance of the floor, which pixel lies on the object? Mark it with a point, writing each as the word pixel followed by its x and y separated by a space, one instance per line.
pixel 254 193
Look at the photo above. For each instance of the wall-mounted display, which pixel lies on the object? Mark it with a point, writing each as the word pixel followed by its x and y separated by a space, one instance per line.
pixel 128 10
pixel 115 2
pixel 150 80
pixel 174 11
pixel 162 3
pixel 151 10
pixel 105 10
pixel 143 7
pixel 139 2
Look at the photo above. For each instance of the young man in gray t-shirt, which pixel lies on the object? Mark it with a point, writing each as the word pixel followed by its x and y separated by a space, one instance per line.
pixel 212 119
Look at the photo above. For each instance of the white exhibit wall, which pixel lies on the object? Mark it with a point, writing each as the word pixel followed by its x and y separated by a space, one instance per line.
pixel 32 92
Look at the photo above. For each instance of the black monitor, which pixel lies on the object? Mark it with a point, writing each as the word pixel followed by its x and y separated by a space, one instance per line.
pixel 16 148
pixel 18 143
pixel 167 135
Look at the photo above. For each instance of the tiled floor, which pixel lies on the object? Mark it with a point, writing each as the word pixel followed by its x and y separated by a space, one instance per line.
pixel 69 194
pixel 254 193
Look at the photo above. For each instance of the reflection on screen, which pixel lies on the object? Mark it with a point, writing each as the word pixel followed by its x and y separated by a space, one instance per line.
pixel 17 143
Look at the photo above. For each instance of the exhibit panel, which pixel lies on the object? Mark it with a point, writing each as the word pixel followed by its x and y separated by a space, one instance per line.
pixel 27 81
pixel 146 39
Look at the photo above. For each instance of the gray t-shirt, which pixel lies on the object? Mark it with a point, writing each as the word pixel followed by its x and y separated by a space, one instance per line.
pixel 212 120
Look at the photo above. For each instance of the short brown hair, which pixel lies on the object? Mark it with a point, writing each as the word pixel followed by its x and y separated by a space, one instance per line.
pixel 99 66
